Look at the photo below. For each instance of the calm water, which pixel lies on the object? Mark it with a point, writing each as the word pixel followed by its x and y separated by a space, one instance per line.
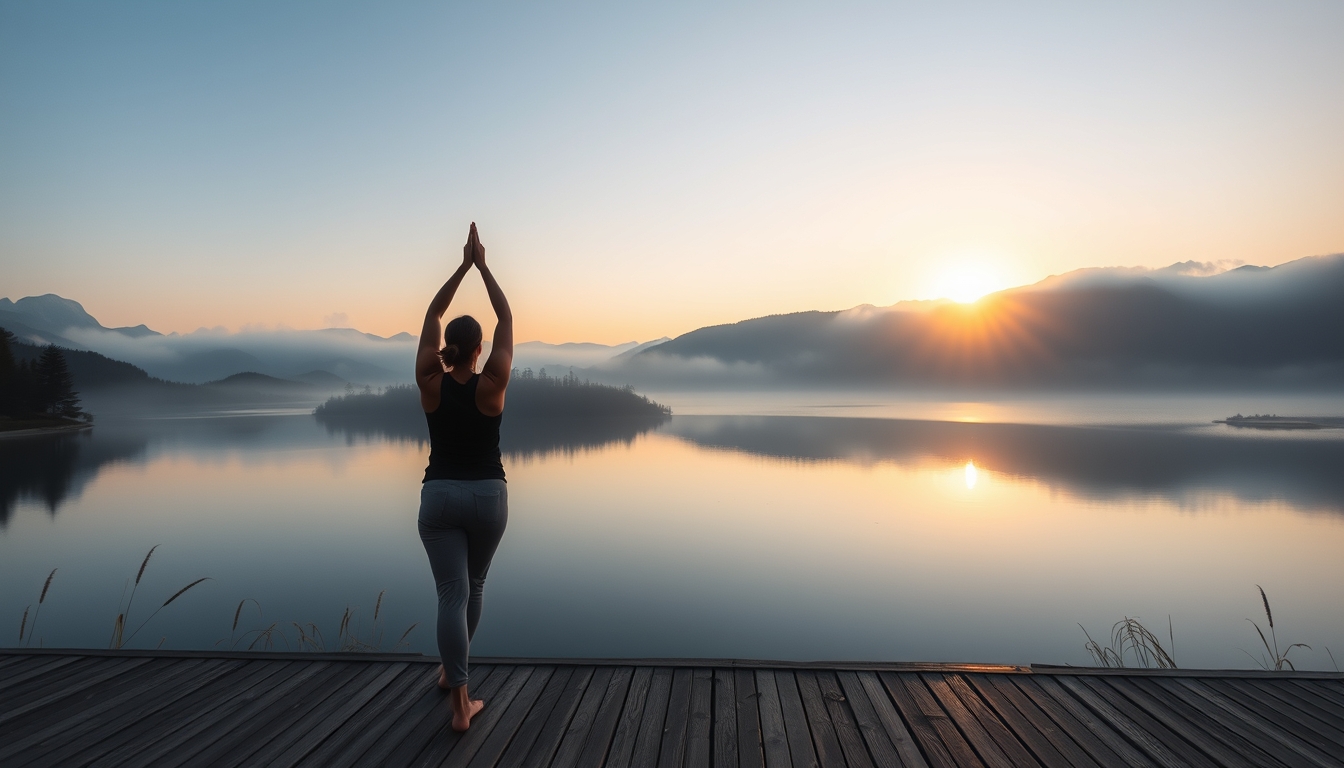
pixel 780 533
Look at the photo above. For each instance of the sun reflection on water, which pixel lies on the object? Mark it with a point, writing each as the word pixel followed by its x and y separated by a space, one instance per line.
pixel 971 475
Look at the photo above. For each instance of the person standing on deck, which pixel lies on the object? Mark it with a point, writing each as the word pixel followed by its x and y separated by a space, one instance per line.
pixel 464 502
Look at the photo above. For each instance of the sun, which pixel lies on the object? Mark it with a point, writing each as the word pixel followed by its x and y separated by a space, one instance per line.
pixel 966 281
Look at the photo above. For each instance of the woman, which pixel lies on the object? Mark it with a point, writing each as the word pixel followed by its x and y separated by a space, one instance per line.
pixel 463 502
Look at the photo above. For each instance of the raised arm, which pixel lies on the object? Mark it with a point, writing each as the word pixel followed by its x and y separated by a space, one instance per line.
pixel 495 372
pixel 428 366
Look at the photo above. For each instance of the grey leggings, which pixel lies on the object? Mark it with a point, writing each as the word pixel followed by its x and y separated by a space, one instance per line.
pixel 461 523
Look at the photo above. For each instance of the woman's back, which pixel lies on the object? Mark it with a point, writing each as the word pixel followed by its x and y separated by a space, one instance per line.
pixel 463 442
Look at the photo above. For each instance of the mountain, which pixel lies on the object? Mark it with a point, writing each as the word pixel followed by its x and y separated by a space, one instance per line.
pixel 559 357
pixel 89 370
pixel 208 355
pixel 1107 328
pixel 53 314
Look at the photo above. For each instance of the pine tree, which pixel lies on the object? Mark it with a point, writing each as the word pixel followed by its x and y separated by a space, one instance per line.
pixel 11 391
pixel 55 386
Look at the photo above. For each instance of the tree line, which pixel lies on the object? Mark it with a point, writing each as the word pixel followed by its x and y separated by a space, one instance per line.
pixel 41 388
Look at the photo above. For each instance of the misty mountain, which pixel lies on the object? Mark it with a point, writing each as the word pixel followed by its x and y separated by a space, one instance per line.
pixel 211 354
pixel 52 314
pixel 1098 328
pixel 109 386
pixel 561 357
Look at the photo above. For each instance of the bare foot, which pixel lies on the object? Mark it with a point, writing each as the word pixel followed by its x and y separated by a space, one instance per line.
pixel 461 721
pixel 443 678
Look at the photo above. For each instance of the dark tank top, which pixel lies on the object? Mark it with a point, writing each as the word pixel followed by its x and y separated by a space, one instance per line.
pixel 463 442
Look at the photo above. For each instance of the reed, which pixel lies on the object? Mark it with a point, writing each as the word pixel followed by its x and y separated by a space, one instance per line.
pixel 308 636
pixel 1130 637
pixel 119 638
pixel 1276 659
pixel 41 598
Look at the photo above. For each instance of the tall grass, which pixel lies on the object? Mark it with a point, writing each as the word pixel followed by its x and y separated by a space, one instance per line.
pixel 307 636
pixel 23 624
pixel 119 638
pixel 1277 661
pixel 1129 638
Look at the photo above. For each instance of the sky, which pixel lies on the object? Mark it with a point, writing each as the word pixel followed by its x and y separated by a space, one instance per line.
pixel 641 170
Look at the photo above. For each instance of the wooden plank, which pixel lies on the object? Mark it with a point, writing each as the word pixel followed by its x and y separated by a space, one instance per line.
pixel 262 714
pixel 598 742
pixel 842 718
pixel 866 719
pixel 725 719
pixel 525 736
pixel 1143 733
pixel 889 719
pixel 1226 727
pixel 96 721
pixel 749 754
pixel 1103 742
pixel 159 706
pixel 291 720
pixel 1031 724
pixel 10 662
pixel 1272 724
pixel 939 740
pixel 361 731
pixel 448 746
pixel 627 728
pixel 45 671
pixel 650 737
pixel 1330 690
pixel 1223 745
pixel 673 751
pixel 977 694
pixel 796 729
pixel 94 677
pixel 978 722
pixel 322 724
pixel 699 747
pixel 1315 694
pixel 429 717
pixel 556 725
pixel 58 680
pixel 1303 710
pixel 576 733
pixel 494 741
pixel 824 739
pixel 71 710
pixel 152 738
pixel 774 737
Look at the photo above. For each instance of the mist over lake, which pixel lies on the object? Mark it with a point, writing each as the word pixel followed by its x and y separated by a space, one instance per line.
pixel 761 526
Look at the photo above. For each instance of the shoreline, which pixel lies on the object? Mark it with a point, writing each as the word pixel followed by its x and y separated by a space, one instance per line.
pixel 52 430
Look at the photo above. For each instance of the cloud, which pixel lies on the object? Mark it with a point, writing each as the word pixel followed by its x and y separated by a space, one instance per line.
pixel 336 320
pixel 210 354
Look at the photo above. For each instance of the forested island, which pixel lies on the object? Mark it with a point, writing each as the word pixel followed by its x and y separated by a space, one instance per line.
pixel 542 413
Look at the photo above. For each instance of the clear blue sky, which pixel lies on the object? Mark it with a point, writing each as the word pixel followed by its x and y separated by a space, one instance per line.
pixel 645 169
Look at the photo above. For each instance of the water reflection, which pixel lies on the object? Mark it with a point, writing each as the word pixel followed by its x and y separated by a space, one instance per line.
pixel 1094 462
pixel 53 469
pixel 518 438
pixel 50 469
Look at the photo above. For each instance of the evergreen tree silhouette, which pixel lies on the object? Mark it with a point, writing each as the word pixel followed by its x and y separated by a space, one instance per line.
pixel 16 400
pixel 55 386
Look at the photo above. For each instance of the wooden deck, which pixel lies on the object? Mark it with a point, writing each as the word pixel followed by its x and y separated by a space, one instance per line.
pixel 72 708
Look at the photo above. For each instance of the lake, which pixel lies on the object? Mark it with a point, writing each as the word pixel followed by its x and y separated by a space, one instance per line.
pixel 778 526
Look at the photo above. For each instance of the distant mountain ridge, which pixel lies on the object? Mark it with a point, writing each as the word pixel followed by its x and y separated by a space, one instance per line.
pixel 205 355
pixel 55 314
pixel 1190 324
pixel 1105 328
